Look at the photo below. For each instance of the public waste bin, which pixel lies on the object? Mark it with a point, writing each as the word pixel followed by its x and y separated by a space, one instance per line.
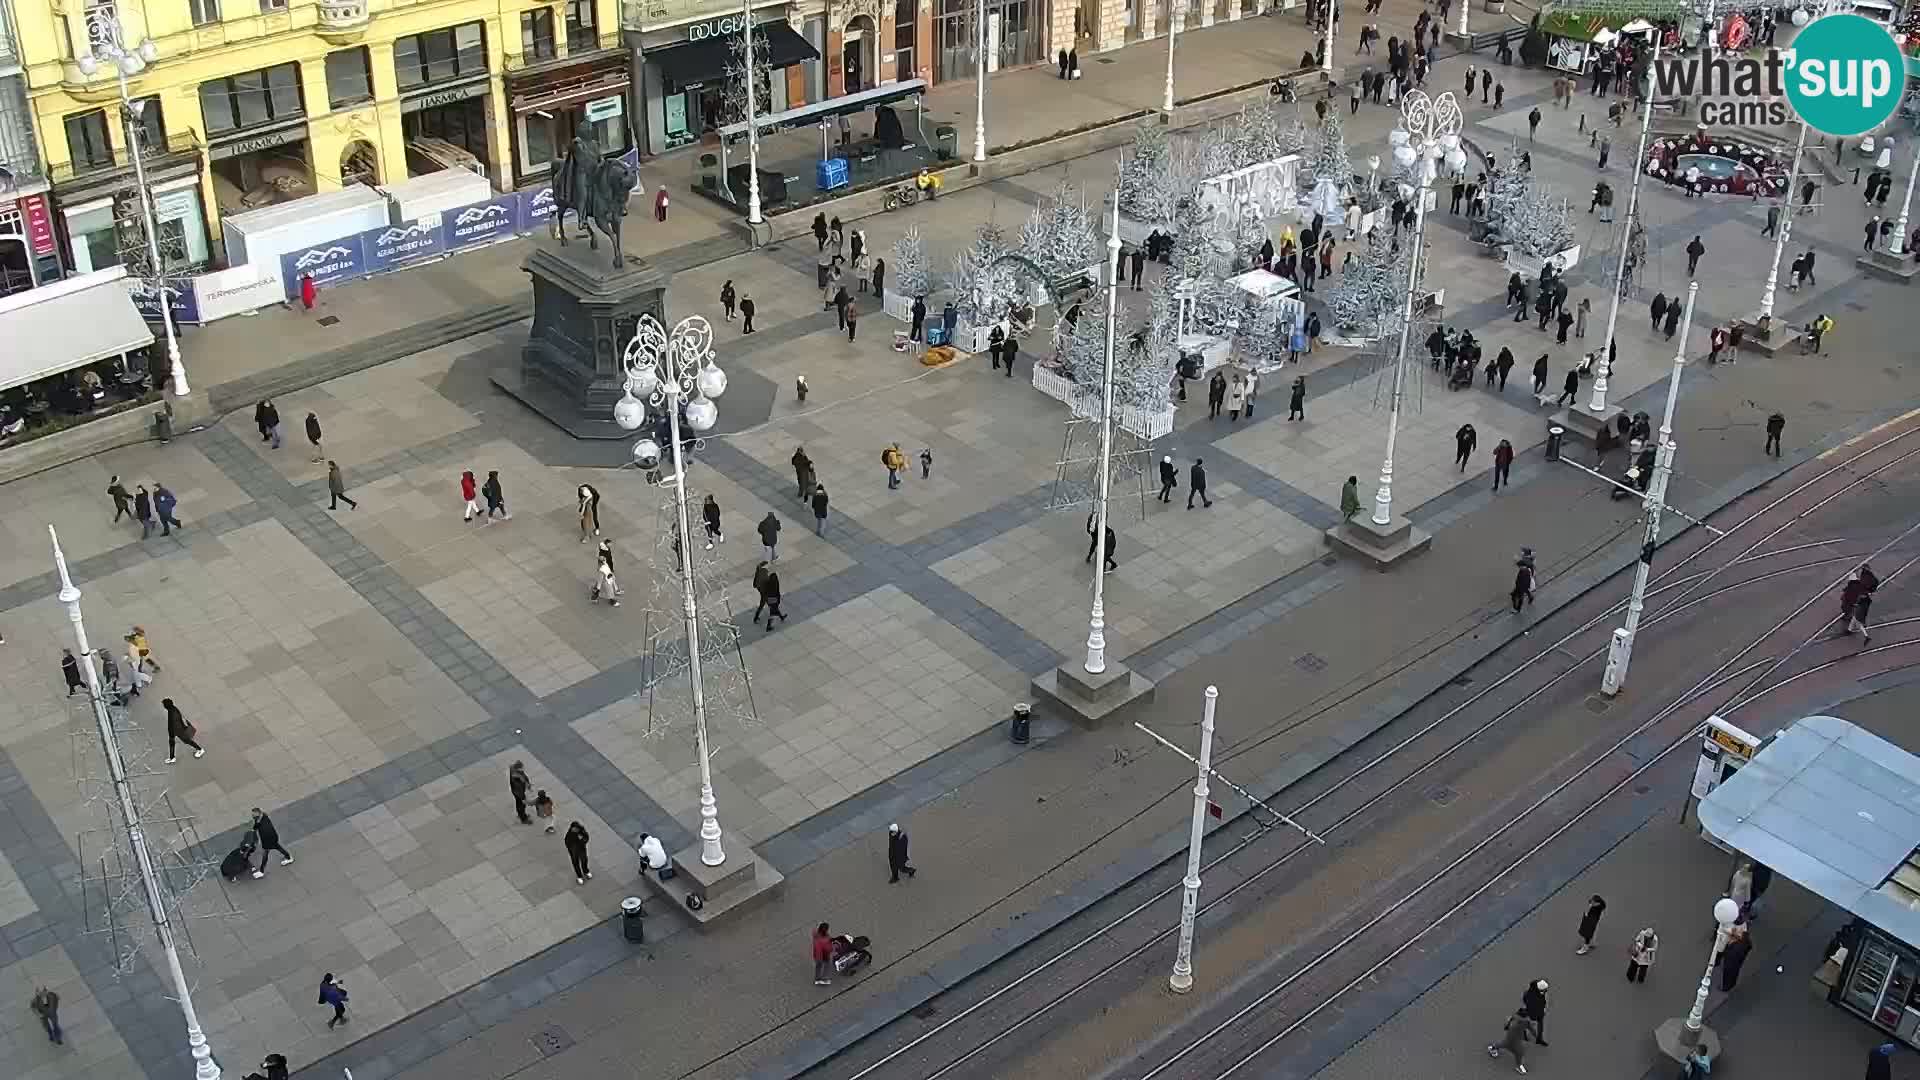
pixel 632 920
pixel 946 142
pixel 1020 729
pixel 1555 436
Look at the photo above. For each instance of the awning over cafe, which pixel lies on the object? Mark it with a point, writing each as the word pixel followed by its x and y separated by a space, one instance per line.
pixel 68 324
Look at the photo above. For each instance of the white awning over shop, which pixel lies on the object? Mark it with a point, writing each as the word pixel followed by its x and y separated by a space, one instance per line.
pixel 68 324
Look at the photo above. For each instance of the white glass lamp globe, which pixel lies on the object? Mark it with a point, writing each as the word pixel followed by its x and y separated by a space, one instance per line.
pixel 149 52
pixel 1399 137
pixel 1403 156
pixel 1725 911
pixel 629 413
pixel 702 414
pixel 712 382
pixel 1457 160
pixel 646 453
pixel 642 379
pixel 1449 142
pixel 87 64
pixel 1800 16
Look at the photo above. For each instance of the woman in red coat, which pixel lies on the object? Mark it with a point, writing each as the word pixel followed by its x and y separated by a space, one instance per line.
pixel 468 492
pixel 660 204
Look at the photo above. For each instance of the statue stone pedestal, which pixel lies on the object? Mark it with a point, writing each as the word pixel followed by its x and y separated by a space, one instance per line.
pixel 584 313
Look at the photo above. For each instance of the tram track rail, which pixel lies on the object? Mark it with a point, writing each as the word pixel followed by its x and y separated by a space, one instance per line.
pixel 1689 598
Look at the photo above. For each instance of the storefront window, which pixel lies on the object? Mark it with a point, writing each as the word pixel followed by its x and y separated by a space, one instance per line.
pixel 87 140
pixel 536 34
pixel 349 78
pixel 252 99
pixel 582 34
pixel 906 26
pixel 440 55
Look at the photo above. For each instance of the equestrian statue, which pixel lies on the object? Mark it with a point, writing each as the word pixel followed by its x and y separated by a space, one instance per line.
pixel 596 190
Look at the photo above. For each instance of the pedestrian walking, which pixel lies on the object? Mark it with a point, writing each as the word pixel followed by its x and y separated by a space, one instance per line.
pixel 605 583
pixel 1169 478
pixel 823 952
pixel 800 388
pixel 1540 376
pixel 1197 484
pixel 1695 249
pixel 996 340
pixel 276 1066
pixel 918 313
pixel 1659 310
pixel 110 674
pixel 660 202
pixel 470 491
pixel 852 315
pixel 1775 425
pixel 576 843
pixel 1873 233
pixel 334 992
pixel 46 1006
pixel 728 299
pixel 1856 599
pixel 496 498
pixel 802 472
pixel 710 520
pixel 1297 399
pixel 894 461
pixel 121 500
pixel 1590 923
pixel 1502 464
pixel 746 313
pixel 768 586
pixel 337 488
pixel 1350 498
pixel 1009 354
pixel 820 231
pixel 519 785
pixel 1641 954
pixel 1565 322
pixel 840 301
pixel 267 417
pixel 1520 1030
pixel 897 855
pixel 1673 320
pixel 543 809
pixel 1504 365
pixel 1138 263
pixel 926 463
pixel 1580 318
pixel 1734 956
pixel 70 668
pixel 1533 1002
pixel 268 839
pixel 589 510
pixel 1533 122
pixel 1880 1062
pixel 769 529
pixel 179 730
pixel 1486 84
pixel 820 509
pixel 164 503
pixel 1216 394
pixel 1522 593
pixel 1499 95
pixel 313 437
pixel 1570 390
pixel 1464 440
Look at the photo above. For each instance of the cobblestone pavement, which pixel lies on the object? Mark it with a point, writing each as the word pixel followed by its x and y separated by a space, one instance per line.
pixel 367 673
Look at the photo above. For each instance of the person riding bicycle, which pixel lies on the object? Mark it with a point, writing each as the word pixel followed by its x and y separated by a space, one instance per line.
pixel 928 184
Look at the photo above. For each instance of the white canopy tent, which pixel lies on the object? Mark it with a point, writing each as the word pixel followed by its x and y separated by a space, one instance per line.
pixel 68 324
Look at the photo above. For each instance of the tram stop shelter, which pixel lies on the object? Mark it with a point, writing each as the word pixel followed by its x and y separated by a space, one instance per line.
pixel 1836 809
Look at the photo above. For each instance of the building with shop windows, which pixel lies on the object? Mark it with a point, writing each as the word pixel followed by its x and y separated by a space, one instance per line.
pixel 28 251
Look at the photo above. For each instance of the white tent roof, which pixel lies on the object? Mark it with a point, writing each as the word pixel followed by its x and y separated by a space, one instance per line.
pixel 67 324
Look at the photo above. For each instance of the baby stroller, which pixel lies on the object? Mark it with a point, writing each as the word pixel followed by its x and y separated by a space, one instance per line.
pixel 1461 377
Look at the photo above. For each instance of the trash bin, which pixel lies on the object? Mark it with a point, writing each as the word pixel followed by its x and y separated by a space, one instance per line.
pixel 632 920
pixel 1554 436
pixel 946 142
pixel 1020 729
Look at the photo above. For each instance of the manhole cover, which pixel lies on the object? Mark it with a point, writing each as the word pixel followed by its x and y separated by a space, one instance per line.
pixel 1310 662
pixel 329 320
pixel 1443 795
pixel 551 1039
pixel 1598 704
pixel 923 1011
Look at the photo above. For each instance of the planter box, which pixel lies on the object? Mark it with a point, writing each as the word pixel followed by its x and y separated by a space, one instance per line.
pixel 1530 266
pixel 898 306
pixel 1144 423
pixel 1134 233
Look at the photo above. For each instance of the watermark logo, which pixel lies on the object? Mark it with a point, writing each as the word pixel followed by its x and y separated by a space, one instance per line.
pixel 1843 77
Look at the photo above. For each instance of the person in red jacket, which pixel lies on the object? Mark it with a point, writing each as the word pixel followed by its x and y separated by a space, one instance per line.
pixel 1502 463
pixel 822 955
pixel 660 204
pixel 470 492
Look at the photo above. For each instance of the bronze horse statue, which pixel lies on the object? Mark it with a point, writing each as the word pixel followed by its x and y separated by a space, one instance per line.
pixel 596 190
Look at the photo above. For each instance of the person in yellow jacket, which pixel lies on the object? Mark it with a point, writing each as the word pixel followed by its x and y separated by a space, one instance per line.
pixel 895 461
pixel 928 184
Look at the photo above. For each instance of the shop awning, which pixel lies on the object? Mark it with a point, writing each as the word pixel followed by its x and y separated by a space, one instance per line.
pixel 1835 809
pixel 68 324
pixel 707 61
pixel 846 104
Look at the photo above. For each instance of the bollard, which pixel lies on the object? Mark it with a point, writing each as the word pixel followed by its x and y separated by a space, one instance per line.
pixel 1555 435
pixel 1020 728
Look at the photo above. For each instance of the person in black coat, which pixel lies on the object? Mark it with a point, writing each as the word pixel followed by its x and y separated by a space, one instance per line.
pixel 1197 484
pixel 1540 375
pixel 897 855
pixel 820 231
pixel 70 667
pixel 1590 924
pixel 1534 1001
pixel 1733 957
pixel 1138 262
pixel 1464 440
pixel 1009 354
pixel 769 589
pixel 269 838
pixel 820 509
pixel 576 843
pixel 1673 320
pixel 1571 390
pixel 919 313
pixel 1659 310
pixel 178 730
pixel 313 436
pixel 746 314
pixel 880 278
pixel 1169 478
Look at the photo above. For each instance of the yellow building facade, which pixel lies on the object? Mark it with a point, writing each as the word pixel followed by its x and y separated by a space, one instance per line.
pixel 245 106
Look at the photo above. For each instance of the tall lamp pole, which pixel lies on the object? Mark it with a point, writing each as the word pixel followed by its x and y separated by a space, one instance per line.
pixel 1725 912
pixel 1897 243
pixel 1598 404
pixel 104 40
pixel 1181 980
pixel 1326 58
pixel 1097 621
pixel 1620 647
pixel 1785 231
pixel 1177 8
pixel 204 1067
pixel 1462 32
pixel 753 128
pixel 980 92
pixel 1433 131
pixel 674 370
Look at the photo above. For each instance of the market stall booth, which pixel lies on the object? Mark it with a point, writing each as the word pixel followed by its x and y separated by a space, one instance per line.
pixel 1836 809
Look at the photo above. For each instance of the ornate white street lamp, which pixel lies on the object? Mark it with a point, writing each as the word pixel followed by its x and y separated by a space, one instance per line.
pixel 1725 914
pixel 1173 31
pixel 104 42
pixel 1598 404
pixel 980 92
pixel 674 370
pixel 1897 243
pixel 753 128
pixel 1097 621
pixel 1432 128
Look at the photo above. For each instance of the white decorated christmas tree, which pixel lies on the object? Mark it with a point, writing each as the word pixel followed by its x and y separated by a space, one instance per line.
pixel 1538 224
pixel 1218 153
pixel 1256 133
pixel 1060 236
pixel 1506 187
pixel 1369 295
pixel 1330 161
pixel 1146 184
pixel 982 292
pixel 1249 235
pixel 907 271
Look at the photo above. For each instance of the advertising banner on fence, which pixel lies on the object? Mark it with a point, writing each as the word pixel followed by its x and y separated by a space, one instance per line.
pixel 235 291
pixel 335 260
pixel 396 245
pixel 477 223
pixel 536 208
pixel 179 294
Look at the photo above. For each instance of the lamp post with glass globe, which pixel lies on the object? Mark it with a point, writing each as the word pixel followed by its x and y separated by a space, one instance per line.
pixel 674 370
pixel 1677 1037
pixel 103 41
pixel 1431 134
